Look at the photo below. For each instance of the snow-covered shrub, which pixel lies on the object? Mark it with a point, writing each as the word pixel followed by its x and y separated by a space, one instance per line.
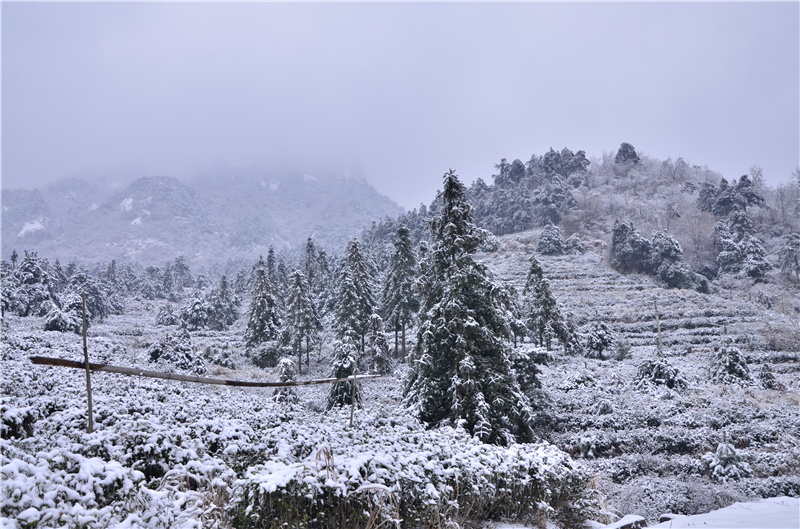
pixel 659 372
pixel 287 372
pixel 197 312
pixel 16 422
pixel 603 407
pixel 767 378
pixel 577 381
pixel 550 242
pixel 166 316
pixel 729 366
pixel 344 365
pixel 266 354
pixel 622 350
pixel 725 463
pixel 68 320
pixel 573 245
pixel 176 349
pixel 598 338
pixel 219 357
pixel 63 488
pixel 395 470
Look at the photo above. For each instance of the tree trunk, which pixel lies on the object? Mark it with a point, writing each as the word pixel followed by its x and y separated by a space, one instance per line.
pixel 404 341
pixel 308 347
pixel 395 340
pixel 299 347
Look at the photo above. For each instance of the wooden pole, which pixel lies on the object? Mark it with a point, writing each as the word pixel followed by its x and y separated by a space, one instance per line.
pixel 353 392
pixel 86 363
pixel 61 362
pixel 658 327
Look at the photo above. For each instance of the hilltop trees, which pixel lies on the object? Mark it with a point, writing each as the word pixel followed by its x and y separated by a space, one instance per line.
pixel 400 302
pixel 461 373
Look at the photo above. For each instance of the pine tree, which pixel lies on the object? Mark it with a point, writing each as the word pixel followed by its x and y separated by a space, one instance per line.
pixel 461 373
pixel 263 319
pixel 400 302
pixel 377 350
pixel 356 301
pixel 543 318
pixel 223 306
pixel 302 320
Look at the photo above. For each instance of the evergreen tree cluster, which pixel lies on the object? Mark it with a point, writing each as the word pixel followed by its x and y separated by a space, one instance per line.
pixel 661 256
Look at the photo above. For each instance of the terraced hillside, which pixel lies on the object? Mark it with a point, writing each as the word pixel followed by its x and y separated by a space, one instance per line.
pixel 646 442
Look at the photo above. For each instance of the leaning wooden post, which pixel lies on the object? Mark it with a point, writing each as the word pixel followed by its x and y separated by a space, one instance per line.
pixel 86 364
pixel 658 327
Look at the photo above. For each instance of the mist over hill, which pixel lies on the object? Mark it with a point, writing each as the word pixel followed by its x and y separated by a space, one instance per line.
pixel 213 218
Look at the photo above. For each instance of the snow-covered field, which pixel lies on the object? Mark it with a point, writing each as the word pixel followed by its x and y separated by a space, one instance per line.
pixel 173 454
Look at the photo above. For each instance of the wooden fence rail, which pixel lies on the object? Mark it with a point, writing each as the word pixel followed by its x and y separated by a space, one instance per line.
pixel 61 362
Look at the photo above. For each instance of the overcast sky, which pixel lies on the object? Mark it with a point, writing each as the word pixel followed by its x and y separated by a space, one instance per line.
pixel 402 91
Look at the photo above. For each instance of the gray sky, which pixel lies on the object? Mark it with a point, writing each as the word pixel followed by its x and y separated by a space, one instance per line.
pixel 403 91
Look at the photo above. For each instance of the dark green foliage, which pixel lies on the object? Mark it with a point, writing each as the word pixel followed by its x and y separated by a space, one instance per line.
pixel 356 301
pixel 176 349
pixel 286 373
pixel 626 154
pixel 599 338
pixel 344 365
pixel 376 354
pixel 543 319
pixel 266 354
pixel 662 256
pixel 461 371
pixel 302 320
pixel 729 366
pixel 550 242
pixel 67 318
pixel 263 319
pixel 659 372
pixel 400 301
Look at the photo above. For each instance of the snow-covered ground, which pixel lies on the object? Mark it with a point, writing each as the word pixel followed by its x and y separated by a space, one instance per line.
pixel 169 454
pixel 770 513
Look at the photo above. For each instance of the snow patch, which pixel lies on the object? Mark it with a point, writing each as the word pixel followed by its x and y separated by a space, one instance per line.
pixel 146 211
pixel 32 226
pixel 309 178
pixel 274 186
pixel 771 513
pixel 93 207
pixel 136 221
pixel 126 204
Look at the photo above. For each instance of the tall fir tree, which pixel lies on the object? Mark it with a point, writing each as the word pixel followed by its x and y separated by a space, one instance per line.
pixel 400 302
pixel 542 317
pixel 302 320
pixel 461 370
pixel 264 319
pixel 356 301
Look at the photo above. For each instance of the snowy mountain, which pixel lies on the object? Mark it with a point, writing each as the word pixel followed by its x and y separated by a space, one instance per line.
pixel 211 220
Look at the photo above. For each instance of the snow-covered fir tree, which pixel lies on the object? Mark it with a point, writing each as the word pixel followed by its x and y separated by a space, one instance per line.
pixel 345 357
pixel 376 354
pixel 356 301
pixel 542 316
pixel 301 319
pixel 461 371
pixel 550 242
pixel 263 320
pixel 222 303
pixel 400 301
pixel 286 373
